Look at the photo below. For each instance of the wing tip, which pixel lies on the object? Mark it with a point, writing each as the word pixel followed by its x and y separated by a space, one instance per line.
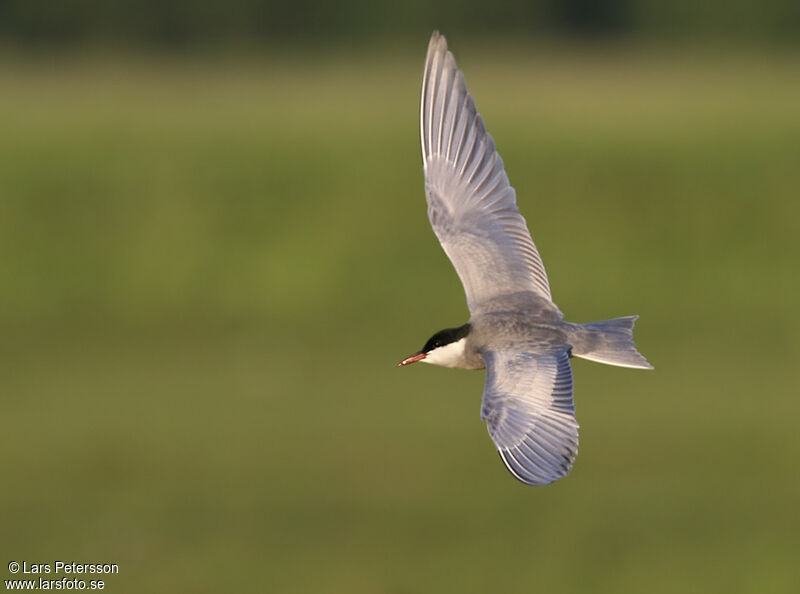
pixel 438 46
pixel 529 476
pixel 437 39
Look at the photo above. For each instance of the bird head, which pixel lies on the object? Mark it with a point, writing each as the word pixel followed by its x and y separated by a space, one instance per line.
pixel 446 348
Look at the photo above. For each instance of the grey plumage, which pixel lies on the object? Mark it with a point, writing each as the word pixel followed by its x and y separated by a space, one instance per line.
pixel 515 330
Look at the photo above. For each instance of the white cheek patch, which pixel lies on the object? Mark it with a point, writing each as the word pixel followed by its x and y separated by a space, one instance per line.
pixel 449 355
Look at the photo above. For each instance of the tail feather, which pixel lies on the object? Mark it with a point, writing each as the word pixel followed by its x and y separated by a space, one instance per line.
pixel 610 342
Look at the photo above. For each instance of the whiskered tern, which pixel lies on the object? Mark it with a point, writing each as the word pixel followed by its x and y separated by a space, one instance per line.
pixel 515 331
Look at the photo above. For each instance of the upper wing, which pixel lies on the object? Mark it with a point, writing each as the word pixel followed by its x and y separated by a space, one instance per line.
pixel 471 206
pixel 528 408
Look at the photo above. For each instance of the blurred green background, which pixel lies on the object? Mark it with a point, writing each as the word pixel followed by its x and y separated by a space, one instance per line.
pixel 214 249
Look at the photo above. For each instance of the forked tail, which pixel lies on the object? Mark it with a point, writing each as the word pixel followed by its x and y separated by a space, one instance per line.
pixel 610 342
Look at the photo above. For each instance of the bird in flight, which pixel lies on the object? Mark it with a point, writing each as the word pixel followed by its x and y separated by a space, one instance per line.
pixel 515 331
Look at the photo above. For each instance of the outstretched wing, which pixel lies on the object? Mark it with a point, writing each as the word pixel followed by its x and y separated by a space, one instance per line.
pixel 530 414
pixel 471 206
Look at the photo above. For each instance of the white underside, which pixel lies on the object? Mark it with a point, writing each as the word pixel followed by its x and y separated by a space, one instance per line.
pixel 449 355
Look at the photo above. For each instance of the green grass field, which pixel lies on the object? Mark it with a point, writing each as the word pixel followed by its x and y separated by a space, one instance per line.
pixel 210 266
